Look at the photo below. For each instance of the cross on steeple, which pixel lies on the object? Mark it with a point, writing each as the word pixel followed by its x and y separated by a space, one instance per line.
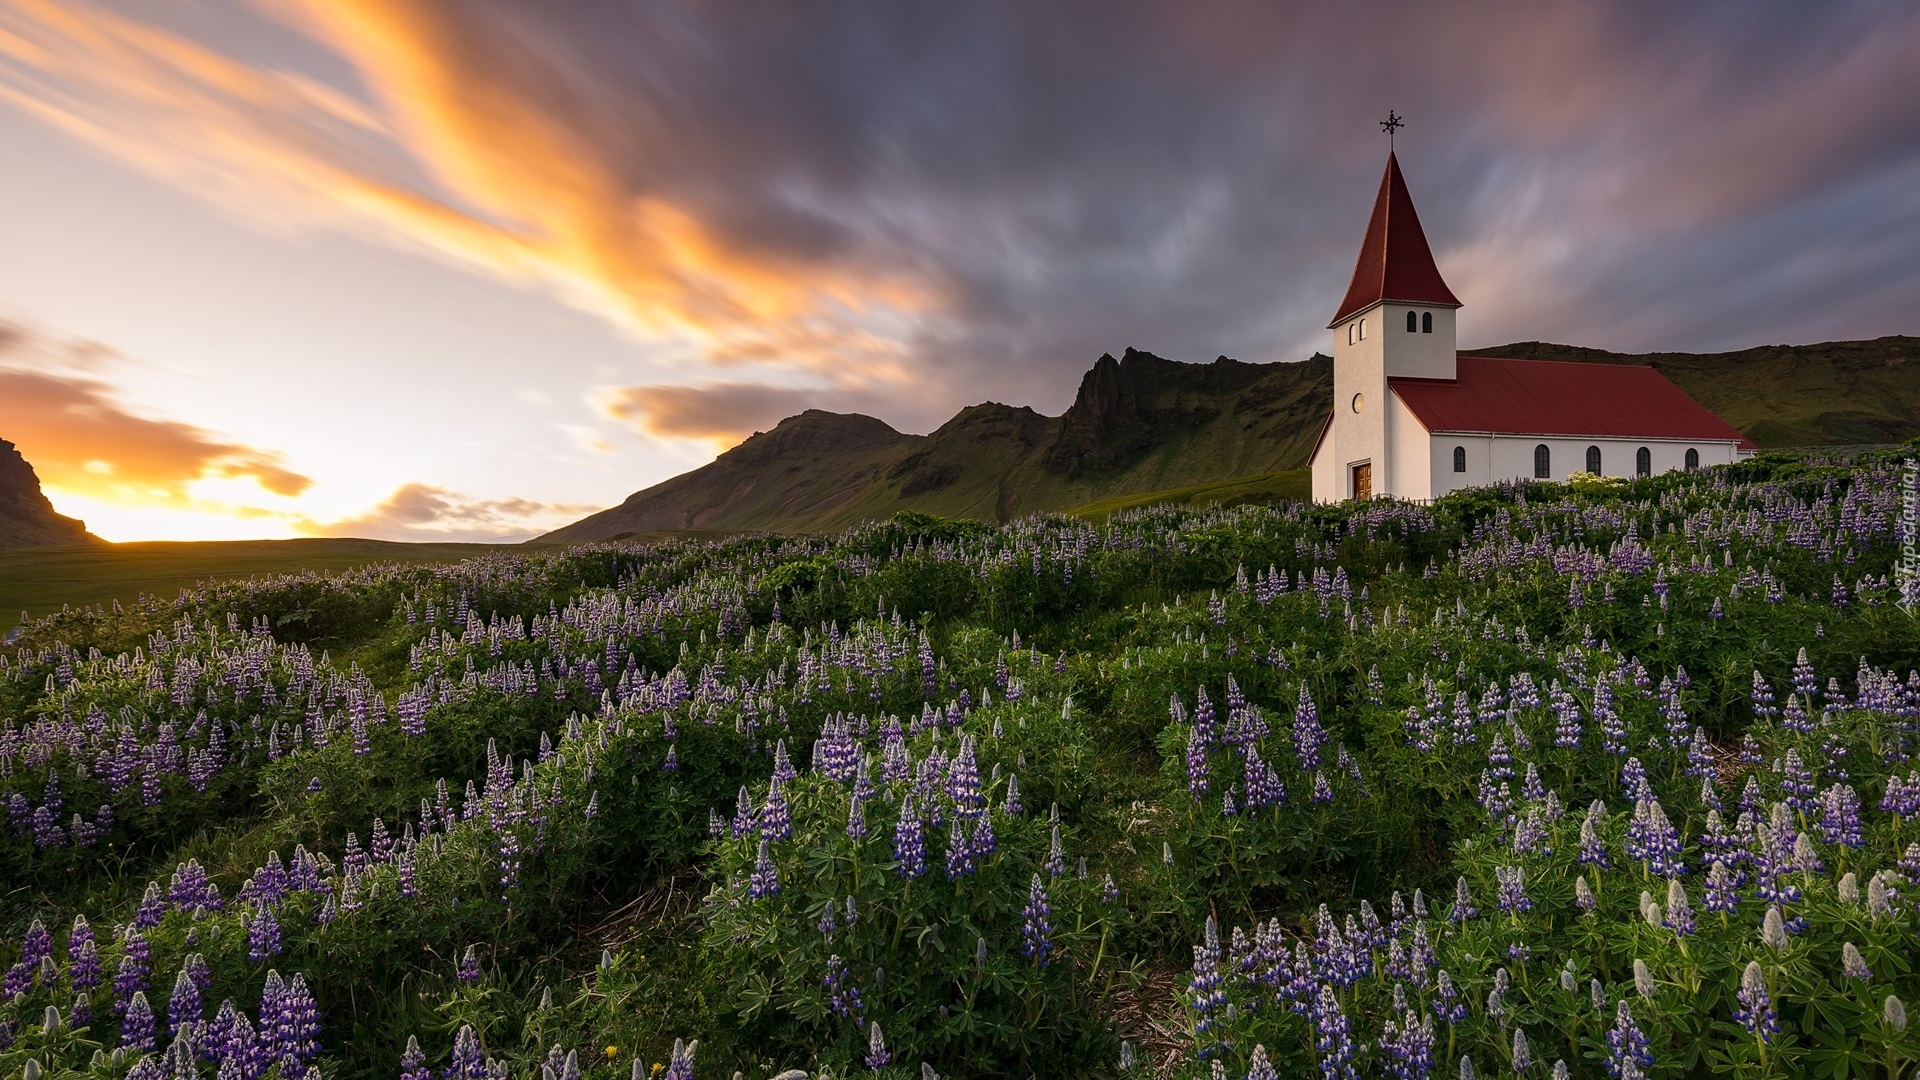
pixel 1390 125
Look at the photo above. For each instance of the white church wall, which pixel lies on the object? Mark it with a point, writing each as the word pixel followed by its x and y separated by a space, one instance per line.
pixel 1417 354
pixel 1412 451
pixel 1359 434
pixel 1493 458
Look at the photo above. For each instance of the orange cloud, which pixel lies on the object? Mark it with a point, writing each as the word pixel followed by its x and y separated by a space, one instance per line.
pixel 527 168
pixel 424 512
pixel 71 425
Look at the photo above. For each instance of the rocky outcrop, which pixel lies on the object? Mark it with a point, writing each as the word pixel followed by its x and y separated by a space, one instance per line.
pixel 27 519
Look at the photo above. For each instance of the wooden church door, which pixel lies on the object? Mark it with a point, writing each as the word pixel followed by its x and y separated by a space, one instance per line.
pixel 1363 480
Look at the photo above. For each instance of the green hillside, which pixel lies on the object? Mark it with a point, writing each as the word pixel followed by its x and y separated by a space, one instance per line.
pixel 41 580
pixel 1145 428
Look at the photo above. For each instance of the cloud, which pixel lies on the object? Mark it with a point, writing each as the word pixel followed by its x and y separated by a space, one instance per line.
pixel 423 512
pixel 721 413
pixel 71 424
pixel 924 205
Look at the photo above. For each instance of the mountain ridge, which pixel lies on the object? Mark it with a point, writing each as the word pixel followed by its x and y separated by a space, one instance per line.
pixel 27 518
pixel 1141 423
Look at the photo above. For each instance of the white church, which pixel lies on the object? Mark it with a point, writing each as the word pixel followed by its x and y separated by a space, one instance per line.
pixel 1414 420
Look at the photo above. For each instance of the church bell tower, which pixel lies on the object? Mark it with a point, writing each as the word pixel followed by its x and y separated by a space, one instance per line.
pixel 1395 322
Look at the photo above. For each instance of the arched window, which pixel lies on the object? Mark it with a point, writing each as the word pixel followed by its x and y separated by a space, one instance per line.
pixel 1426 322
pixel 1352 332
pixel 1459 459
pixel 1643 462
pixel 1542 462
pixel 1411 322
pixel 1363 329
pixel 1593 460
pixel 1693 459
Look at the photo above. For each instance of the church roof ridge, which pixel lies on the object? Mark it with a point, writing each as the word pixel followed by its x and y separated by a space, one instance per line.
pixel 1395 263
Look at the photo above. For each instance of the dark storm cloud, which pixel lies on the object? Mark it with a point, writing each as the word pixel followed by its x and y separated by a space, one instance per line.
pixel 937 204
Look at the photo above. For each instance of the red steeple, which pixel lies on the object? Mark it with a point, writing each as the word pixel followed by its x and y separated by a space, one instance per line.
pixel 1395 262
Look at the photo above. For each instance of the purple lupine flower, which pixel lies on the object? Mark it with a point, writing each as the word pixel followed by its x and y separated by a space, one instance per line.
pixel 1679 915
pixel 745 819
pixel 81 1014
pixel 37 945
pixel 1755 1011
pixel 765 880
pixel 1592 851
pixel 135 967
pixel 1513 889
pixel 1322 791
pixel 856 819
pixel 842 997
pixel 1308 735
pixel 1407 1043
pixel 909 842
pixel 1463 908
pixel 1263 788
pixel 1197 750
pixel 152 908
pixel 1206 990
pixel 1626 1045
pixel 263 936
pixel 1840 816
pixel 963 781
pixel 776 817
pixel 1796 782
pixel 467 969
pixel 1055 863
pixel 1109 892
pixel 136 1027
pixel 1446 1000
pixel 1036 923
pixel 413 1062
pixel 877 1053
pixel 184 1007
pixel 292 1027
pixel 1333 1037
pixel 959 852
pixel 469 1061
pixel 1722 889
pixel 679 1063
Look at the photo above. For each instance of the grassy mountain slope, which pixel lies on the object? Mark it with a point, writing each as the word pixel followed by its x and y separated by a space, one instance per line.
pixel 1144 428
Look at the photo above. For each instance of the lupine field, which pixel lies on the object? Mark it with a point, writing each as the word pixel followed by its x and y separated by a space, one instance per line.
pixel 1611 779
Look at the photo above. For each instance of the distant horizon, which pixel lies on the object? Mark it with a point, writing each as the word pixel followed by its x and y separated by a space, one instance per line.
pixel 448 272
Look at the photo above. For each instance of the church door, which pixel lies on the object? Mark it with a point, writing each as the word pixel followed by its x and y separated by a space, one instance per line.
pixel 1363 480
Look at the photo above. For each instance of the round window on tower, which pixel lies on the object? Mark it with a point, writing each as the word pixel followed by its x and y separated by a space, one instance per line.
pixel 1359 402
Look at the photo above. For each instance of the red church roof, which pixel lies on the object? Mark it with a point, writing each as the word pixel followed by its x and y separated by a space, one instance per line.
pixel 1395 262
pixel 1550 397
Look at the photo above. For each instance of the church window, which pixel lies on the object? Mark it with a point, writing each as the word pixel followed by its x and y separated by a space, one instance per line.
pixel 1359 402
pixel 1426 322
pixel 1593 460
pixel 1412 322
pixel 1363 329
pixel 1693 459
pixel 1459 459
pixel 1643 462
pixel 1352 332
pixel 1542 462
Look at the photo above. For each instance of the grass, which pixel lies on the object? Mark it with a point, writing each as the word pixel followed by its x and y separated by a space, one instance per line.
pixel 1295 485
pixel 39 581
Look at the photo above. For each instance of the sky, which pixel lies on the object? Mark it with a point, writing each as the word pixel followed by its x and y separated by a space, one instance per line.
pixel 471 269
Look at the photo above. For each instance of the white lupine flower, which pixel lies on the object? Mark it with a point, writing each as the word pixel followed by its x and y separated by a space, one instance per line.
pixel 1849 888
pixel 1854 964
pixel 1773 932
pixel 1894 1013
pixel 1642 978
